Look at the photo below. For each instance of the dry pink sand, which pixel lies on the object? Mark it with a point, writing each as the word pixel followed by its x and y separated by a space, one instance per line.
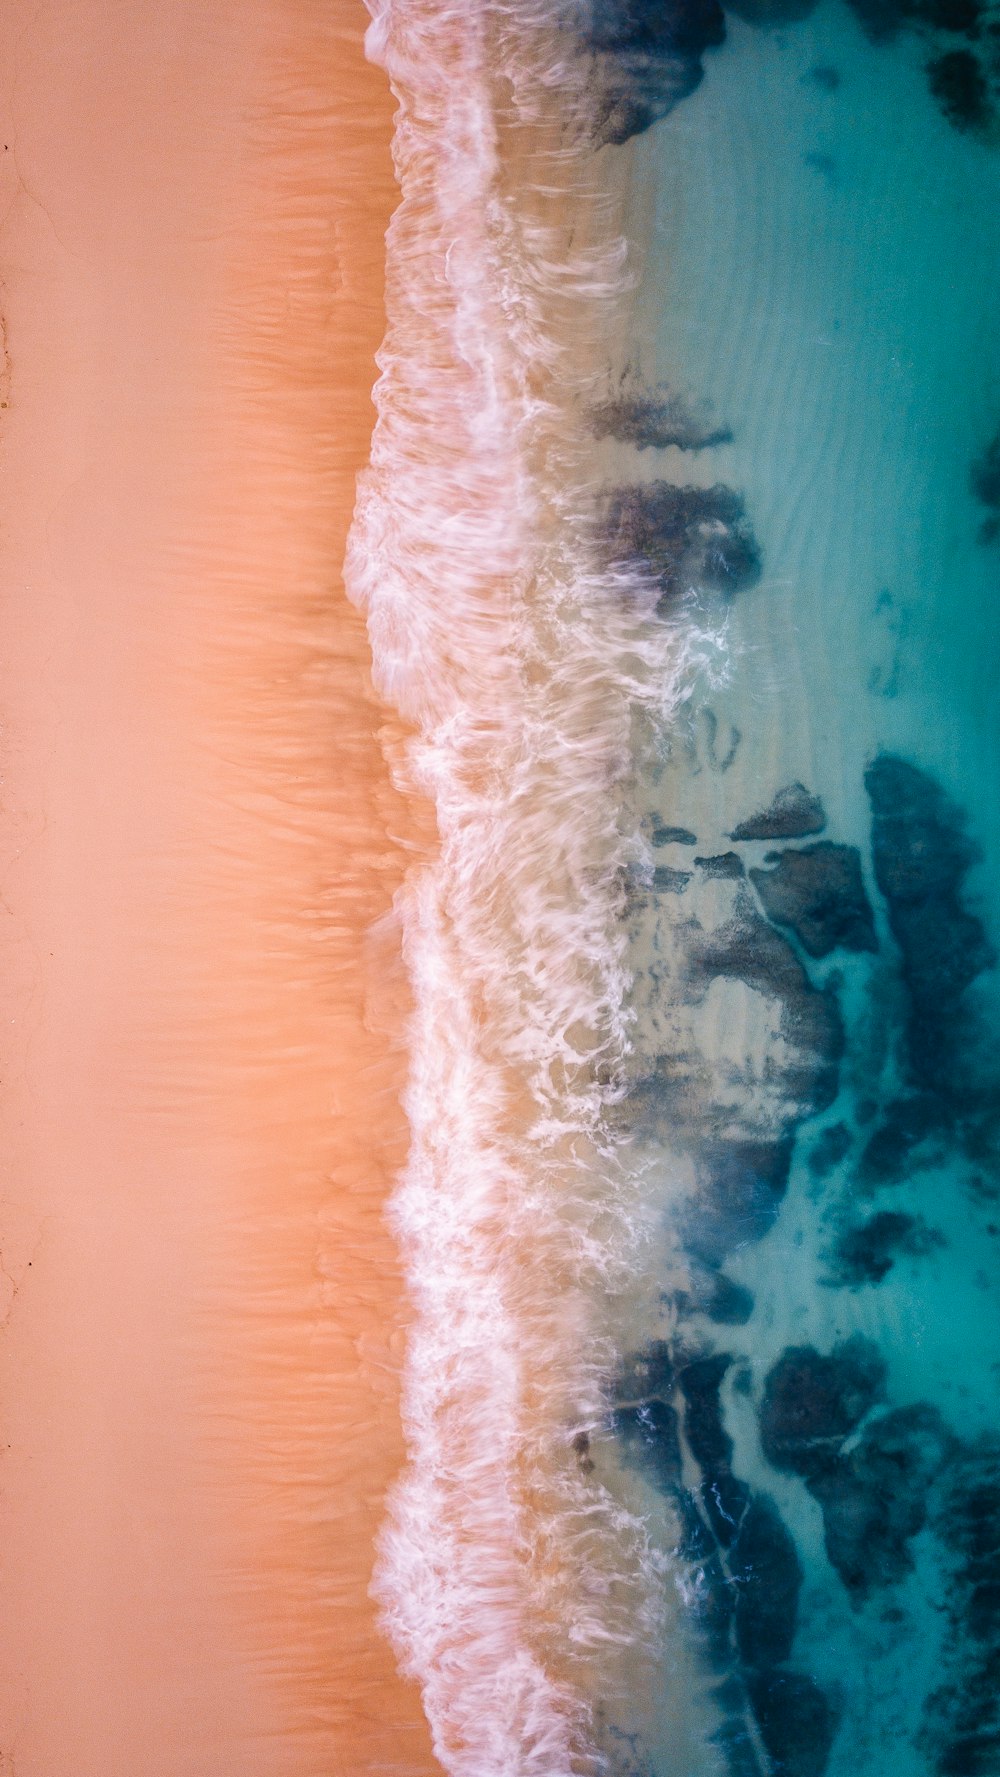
pixel 200 1305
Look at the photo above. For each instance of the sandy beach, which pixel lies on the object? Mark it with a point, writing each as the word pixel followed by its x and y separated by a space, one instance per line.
pixel 200 1303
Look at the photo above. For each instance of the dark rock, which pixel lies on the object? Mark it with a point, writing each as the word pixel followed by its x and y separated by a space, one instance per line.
pixel 689 537
pixel 793 814
pixel 884 19
pixel 726 1302
pixel 650 1374
pixel 723 1497
pixel 874 1497
pixel 985 475
pixel 743 1183
pixel 797 1722
pixel 772 13
pixel 962 1718
pixel 674 836
pixel 826 78
pixel 735 1742
pixel 669 881
pixel 726 865
pixel 767 1576
pixel 922 854
pixel 866 1254
pixel 819 893
pixel 960 88
pixel 648 59
pixel 651 1432
pixel 656 422
pixel 812 1403
pixel 831 1146
pixel 890 1155
pixel 747 948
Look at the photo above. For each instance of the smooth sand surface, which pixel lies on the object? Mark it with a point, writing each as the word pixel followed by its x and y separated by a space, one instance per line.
pixel 200 1305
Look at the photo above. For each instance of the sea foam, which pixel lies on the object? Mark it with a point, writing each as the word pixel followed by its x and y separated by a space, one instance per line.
pixel 528 675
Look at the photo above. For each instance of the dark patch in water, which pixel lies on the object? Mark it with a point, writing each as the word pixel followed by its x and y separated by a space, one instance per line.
pixel 813 1403
pixel 793 814
pixel 893 1151
pixel 922 854
pixel 867 1253
pixel 828 1150
pixel 768 1577
pixel 962 1718
pixel 959 86
pixel 727 864
pixel 984 478
pixel 674 836
pixel 874 1497
pixel 728 1303
pixel 797 1722
pixel 648 58
pixel 691 538
pixel 670 881
pixel 651 1430
pixel 657 422
pixel 743 1183
pixel 818 892
pixel 826 78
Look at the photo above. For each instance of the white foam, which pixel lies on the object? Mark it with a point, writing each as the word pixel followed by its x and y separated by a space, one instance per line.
pixel 504 1571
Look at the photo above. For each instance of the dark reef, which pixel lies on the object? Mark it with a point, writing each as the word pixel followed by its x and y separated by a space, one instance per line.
pixel 656 422
pixel 819 893
pixel 984 479
pixel 922 854
pixel 727 864
pixel 648 59
pixel 674 836
pixel 797 1722
pixel 959 86
pixel 874 1497
pixel 866 1253
pixel 793 814
pixel 690 538
pixel 812 1403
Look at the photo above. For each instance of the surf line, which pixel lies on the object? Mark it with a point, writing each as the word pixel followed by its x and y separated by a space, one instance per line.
pixel 508 1576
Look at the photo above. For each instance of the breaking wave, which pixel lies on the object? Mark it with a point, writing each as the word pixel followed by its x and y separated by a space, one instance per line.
pixel 530 678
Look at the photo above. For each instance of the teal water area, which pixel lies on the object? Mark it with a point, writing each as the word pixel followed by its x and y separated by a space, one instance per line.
pixel 817 1072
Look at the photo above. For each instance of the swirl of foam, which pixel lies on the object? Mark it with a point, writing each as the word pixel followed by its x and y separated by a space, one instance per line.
pixel 506 1572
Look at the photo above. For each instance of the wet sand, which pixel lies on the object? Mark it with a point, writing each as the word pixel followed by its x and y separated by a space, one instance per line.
pixel 201 1307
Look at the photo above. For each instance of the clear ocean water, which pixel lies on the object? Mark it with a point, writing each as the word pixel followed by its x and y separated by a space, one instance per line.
pixel 681 554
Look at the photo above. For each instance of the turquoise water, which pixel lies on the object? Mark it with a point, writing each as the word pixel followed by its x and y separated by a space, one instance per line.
pixel 816 1076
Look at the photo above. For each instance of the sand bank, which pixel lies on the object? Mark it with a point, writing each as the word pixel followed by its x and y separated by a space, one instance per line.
pixel 199 1361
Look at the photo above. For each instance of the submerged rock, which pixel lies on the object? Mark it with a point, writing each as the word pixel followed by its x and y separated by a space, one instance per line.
pixel 670 881
pixel 722 1299
pixel 797 1722
pixel 748 949
pixel 743 1183
pixel 962 1718
pixel 728 865
pixel 723 1498
pixel 657 422
pixel 651 1430
pixel 818 892
pixel 767 1577
pixel 922 854
pixel 960 88
pixel 793 814
pixel 812 1403
pixel 892 1151
pixel 674 836
pixel 831 1146
pixel 874 1498
pixel 689 537
pixel 866 1254
pixel 648 58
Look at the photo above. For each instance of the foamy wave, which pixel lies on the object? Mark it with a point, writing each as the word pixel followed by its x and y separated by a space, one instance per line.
pixel 504 1569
